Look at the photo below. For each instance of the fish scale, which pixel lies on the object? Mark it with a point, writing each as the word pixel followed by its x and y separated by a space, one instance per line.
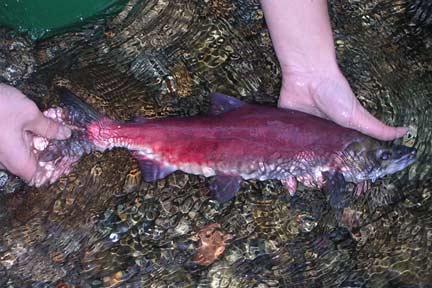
pixel 236 141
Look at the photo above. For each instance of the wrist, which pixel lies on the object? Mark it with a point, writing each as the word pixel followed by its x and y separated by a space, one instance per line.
pixel 300 85
pixel 309 65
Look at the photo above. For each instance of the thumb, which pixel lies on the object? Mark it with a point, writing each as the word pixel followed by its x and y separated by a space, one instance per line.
pixel 48 128
pixel 366 123
pixel 26 172
pixel 24 164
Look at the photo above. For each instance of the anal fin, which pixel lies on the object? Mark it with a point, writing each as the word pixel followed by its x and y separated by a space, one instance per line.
pixel 152 170
pixel 225 187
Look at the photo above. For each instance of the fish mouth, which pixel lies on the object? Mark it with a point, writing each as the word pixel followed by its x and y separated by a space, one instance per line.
pixel 407 159
pixel 411 159
pixel 401 163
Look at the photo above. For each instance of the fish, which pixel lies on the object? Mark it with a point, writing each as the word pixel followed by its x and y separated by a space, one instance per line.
pixel 233 142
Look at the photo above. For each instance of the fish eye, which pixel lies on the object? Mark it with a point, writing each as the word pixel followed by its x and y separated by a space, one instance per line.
pixel 385 155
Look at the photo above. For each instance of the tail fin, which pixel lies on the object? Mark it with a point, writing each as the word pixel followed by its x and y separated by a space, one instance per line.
pixel 79 112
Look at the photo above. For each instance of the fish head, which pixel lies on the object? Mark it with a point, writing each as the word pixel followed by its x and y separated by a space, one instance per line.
pixel 374 159
pixel 395 158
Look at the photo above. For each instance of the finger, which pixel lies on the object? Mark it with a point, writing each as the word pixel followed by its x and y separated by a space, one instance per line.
pixel 48 128
pixel 366 123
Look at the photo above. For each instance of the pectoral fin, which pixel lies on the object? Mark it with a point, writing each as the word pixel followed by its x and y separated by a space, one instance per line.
pixel 290 184
pixel 152 170
pixel 225 187
pixel 335 185
pixel 361 188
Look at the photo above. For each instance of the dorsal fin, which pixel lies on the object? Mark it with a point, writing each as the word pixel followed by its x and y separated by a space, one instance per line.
pixel 221 103
pixel 140 119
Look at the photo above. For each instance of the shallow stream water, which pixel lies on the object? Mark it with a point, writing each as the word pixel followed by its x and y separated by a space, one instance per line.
pixel 101 226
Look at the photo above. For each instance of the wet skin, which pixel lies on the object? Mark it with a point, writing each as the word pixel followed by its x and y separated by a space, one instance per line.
pixel 234 142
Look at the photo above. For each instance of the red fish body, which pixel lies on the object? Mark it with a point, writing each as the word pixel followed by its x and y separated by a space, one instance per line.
pixel 254 142
pixel 236 141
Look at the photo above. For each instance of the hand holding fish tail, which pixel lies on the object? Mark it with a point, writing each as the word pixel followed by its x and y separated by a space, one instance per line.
pixel 56 157
pixel 21 122
pixel 305 151
pixel 312 81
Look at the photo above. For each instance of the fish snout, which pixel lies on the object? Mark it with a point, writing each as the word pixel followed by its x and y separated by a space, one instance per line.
pixel 401 150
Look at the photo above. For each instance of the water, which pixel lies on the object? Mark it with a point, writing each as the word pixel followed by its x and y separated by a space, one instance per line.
pixel 103 227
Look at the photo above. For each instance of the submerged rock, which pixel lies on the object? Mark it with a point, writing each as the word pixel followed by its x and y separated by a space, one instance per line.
pixel 101 226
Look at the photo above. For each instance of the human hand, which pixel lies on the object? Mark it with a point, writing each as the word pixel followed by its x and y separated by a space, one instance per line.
pixel 20 122
pixel 311 81
pixel 327 94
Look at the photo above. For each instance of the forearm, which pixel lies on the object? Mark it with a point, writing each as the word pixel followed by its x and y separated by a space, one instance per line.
pixel 301 34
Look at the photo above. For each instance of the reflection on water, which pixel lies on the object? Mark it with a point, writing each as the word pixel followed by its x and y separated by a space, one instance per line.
pixel 101 226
